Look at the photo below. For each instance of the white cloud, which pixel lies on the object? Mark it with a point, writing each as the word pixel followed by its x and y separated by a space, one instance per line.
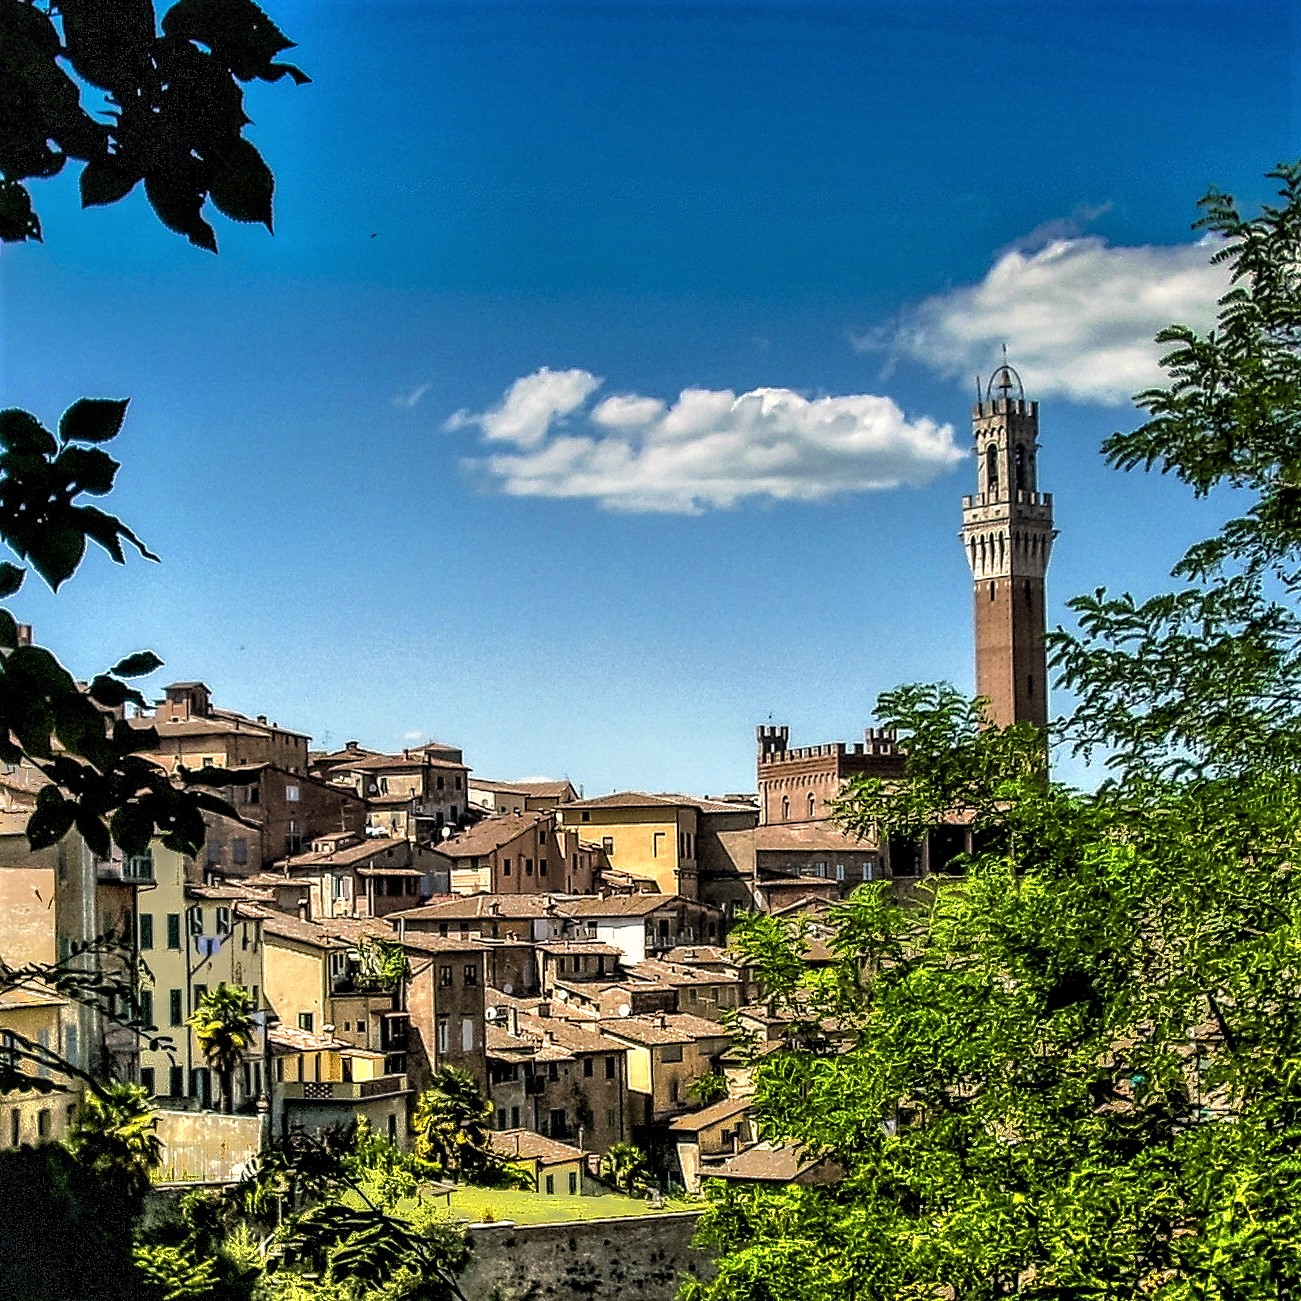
pixel 709 448
pixel 409 400
pixel 1078 315
pixel 531 406
pixel 412 736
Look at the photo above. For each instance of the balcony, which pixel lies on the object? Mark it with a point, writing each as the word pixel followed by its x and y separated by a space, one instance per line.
pixel 342 1090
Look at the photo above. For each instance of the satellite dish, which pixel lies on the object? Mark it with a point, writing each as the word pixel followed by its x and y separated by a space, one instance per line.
pixel 508 988
pixel 624 1009
pixel 490 1014
pixel 447 832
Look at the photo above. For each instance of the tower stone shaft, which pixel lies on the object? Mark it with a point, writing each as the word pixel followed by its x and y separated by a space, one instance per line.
pixel 1007 532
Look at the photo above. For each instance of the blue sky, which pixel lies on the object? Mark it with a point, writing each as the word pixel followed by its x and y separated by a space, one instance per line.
pixel 394 502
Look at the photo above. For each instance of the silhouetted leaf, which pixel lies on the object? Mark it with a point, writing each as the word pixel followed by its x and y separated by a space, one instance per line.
pixel 51 818
pixel 105 181
pixel 11 578
pixel 22 432
pixel 93 420
pixel 137 666
pixel 132 828
pixel 17 220
pixel 88 469
pixel 178 202
pixel 242 184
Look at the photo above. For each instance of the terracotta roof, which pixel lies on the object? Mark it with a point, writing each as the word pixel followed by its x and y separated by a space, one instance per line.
pixel 813 836
pixel 411 759
pixel 525 1145
pixel 594 947
pixel 490 834
pixel 624 905
pixel 470 906
pixel 764 1162
pixel 676 976
pixel 664 1028
pixel 695 1121
pixel 541 789
pixel 689 954
pixel 291 1039
pixel 285 927
pixel 347 856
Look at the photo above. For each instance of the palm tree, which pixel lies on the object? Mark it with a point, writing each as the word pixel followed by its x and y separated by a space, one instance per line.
pixel 624 1165
pixel 115 1134
pixel 224 1026
pixel 451 1122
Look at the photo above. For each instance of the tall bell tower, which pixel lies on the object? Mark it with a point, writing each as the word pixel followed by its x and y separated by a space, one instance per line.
pixel 1007 531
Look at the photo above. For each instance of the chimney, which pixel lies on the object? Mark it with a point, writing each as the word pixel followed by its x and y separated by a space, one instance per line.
pixel 304 908
pixel 544 1009
pixel 494 909
pixel 512 1021
pixel 660 1021
pixel 262 718
pixel 351 746
pixel 24 634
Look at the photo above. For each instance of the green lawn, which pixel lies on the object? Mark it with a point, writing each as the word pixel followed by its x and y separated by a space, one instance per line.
pixel 537 1208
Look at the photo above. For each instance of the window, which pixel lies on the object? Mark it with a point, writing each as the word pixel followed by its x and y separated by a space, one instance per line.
pixel 254 795
pixel 196 921
pixel 514 1117
pixel 657 844
pixel 501 1117
pixel 505 867
pixel 573 1182
pixel 609 1118
pixel 146 930
pixel 587 817
pixel 553 1070
pixel 147 1079
pixel 551 1183
pixel 786 809
pixel 467 1034
pixel 306 1021
pixel 471 974
pixel 291 794
pixel 15 1127
pixel 607 844
pixel 175 1081
pixel 442 1034
pixel 214 853
pixel 867 871
pixel 200 991
pixel 223 921
pixel 439 783
pixel 239 851
pixel 542 867
pixel 293 838
pixel 812 805
pixel 257 1002
pixel 147 1008
pixel 609 1068
pixel 445 976
pixel 453 812
pixel 587 1068
pixel 361 1027
pixel 528 867
pixel 43 1123
pixel 674 1091
pixel 840 871
pixel 458 783
pixel 175 1016
pixel 671 1053
pixel 173 930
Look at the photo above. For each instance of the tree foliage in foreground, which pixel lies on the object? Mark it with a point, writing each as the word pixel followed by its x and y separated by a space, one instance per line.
pixel 1076 1071
pixel 101 84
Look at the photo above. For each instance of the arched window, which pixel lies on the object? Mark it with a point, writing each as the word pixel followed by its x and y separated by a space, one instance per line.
pixel 1020 468
pixel 786 809
pixel 991 468
pixel 812 805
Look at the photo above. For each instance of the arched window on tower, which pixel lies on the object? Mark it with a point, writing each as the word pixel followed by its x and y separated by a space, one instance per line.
pixel 786 809
pixel 1020 468
pixel 991 469
pixel 812 806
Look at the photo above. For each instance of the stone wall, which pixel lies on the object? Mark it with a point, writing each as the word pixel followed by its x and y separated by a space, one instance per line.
pixel 203 1147
pixel 645 1257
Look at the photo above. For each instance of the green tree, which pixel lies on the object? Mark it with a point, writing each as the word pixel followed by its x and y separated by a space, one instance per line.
pixel 624 1166
pixel 224 1026
pixel 452 1124
pixel 707 1089
pixel 1076 1071
pixel 115 1135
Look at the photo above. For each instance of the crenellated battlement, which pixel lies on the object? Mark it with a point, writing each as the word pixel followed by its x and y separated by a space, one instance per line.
pixel 774 748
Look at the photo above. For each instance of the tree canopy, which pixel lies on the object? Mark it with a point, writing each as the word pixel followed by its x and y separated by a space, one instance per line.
pixel 1076 1070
